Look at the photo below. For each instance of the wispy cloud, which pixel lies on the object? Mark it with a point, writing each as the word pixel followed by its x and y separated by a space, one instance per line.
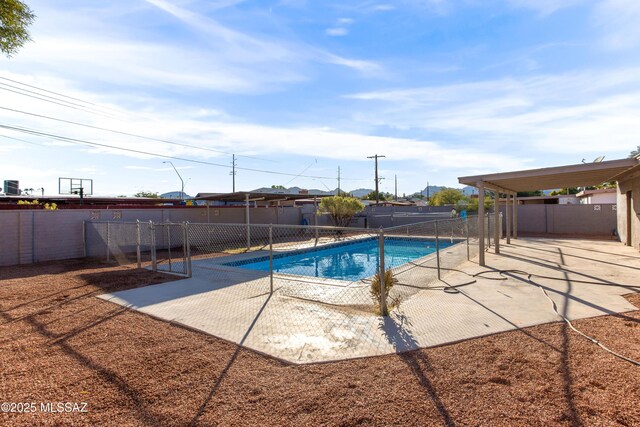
pixel 545 7
pixel 573 112
pixel 619 20
pixel 336 31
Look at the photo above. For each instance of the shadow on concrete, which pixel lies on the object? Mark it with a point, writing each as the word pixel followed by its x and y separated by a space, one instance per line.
pixel 590 259
pixel 419 364
pixel 594 280
pixel 554 243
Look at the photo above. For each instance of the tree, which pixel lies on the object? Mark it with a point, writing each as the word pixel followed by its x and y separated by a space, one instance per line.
pixel 530 193
pixel 15 17
pixel 340 209
pixel 372 196
pixel 564 191
pixel 278 187
pixel 447 196
pixel 147 194
pixel 635 153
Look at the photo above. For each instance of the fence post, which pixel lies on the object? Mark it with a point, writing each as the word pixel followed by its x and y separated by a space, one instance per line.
pixel 167 225
pixel 466 232
pixel 139 258
pixel 108 242
pixel 154 259
pixel 84 238
pixel 383 296
pixel 437 251
pixel 187 249
pixel 271 258
pixel 451 231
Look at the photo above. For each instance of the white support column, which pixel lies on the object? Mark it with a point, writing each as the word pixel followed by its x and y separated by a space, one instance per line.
pixel 481 220
pixel 515 215
pixel 496 214
pixel 508 215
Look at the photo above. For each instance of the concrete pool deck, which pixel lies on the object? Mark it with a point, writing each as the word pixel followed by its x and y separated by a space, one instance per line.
pixel 585 278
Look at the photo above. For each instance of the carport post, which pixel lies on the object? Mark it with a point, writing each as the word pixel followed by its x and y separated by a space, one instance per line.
pixel 507 212
pixel 496 220
pixel 480 186
pixel 515 215
pixel 247 221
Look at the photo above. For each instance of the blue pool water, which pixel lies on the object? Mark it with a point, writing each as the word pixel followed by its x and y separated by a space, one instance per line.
pixel 349 261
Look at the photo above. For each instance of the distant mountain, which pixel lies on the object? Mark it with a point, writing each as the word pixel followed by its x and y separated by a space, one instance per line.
pixel 360 192
pixel 174 195
pixel 469 190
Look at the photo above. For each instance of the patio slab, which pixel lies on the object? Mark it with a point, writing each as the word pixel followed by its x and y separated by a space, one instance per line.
pixel 585 278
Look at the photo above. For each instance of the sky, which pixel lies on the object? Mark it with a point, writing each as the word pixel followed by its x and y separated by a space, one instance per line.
pixel 297 89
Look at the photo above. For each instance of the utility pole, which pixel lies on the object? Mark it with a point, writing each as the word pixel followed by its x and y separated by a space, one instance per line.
pixel 338 181
pixel 375 157
pixel 428 199
pixel 396 181
pixel 233 172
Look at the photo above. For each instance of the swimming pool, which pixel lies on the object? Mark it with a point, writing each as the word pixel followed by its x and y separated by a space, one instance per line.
pixel 346 261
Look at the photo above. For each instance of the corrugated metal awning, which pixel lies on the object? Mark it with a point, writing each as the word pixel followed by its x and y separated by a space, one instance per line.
pixel 580 175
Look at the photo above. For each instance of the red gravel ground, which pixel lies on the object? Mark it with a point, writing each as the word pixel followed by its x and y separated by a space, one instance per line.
pixel 58 343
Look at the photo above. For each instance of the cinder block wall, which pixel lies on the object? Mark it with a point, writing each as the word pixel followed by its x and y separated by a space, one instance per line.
pixel 29 236
pixel 588 220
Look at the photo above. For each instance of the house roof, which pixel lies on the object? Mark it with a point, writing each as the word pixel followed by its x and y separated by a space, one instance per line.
pixel 580 175
pixel 241 196
pixel 585 193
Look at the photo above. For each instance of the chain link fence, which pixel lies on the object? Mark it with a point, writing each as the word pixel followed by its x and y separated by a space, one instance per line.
pixel 347 269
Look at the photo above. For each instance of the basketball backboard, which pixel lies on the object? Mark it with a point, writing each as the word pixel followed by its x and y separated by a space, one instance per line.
pixel 80 186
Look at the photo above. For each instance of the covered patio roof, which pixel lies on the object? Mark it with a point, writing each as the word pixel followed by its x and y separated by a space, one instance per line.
pixel 580 175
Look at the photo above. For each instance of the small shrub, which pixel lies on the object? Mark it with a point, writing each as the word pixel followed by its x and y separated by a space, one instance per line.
pixel 390 281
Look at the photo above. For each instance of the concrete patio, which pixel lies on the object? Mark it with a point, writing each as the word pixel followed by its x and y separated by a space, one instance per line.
pixel 585 278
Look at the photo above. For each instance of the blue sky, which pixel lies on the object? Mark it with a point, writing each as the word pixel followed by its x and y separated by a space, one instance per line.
pixel 443 88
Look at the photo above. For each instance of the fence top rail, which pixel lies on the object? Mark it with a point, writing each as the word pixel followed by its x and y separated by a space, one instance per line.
pixel 116 222
pixel 300 227
pixel 431 221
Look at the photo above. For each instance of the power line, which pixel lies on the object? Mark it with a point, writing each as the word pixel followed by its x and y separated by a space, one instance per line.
pixel 97 106
pixel 48 97
pixel 148 153
pixel 57 103
pixel 126 133
pixel 22 140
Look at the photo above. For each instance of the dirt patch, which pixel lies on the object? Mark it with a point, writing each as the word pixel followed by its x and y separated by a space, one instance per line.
pixel 58 343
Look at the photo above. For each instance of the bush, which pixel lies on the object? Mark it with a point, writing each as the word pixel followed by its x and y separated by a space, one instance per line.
pixel 389 281
pixel 341 209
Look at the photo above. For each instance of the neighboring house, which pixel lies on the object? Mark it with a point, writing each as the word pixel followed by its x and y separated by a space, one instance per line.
pixel 598 197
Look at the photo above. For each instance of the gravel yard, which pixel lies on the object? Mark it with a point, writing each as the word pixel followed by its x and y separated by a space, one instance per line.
pixel 58 343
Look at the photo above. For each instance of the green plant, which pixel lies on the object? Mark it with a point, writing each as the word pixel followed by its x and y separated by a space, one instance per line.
pixel 389 281
pixel 448 196
pixel 15 19
pixel 340 209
